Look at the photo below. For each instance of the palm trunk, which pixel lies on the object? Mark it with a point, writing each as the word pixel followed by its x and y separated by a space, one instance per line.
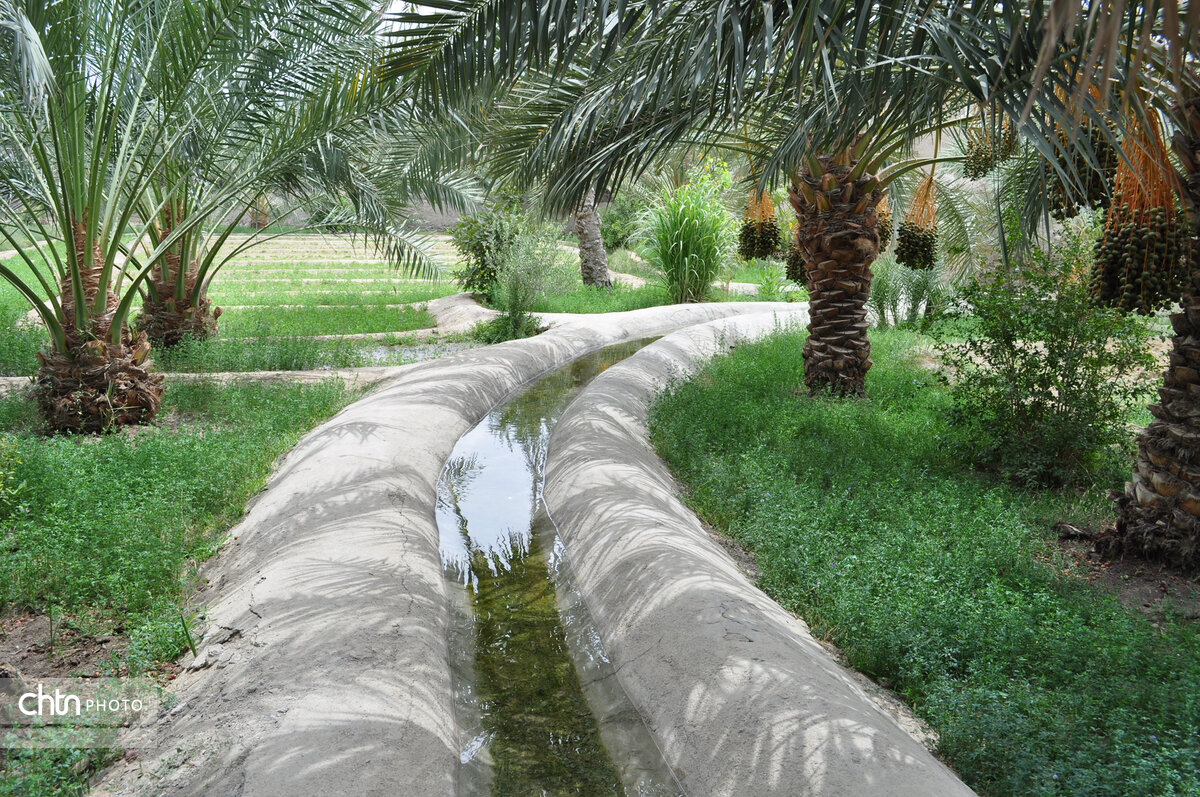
pixel 839 239
pixel 89 277
pixel 167 318
pixel 95 384
pixel 593 260
pixel 1158 517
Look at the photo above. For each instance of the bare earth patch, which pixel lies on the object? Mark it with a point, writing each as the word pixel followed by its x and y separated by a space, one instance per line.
pixel 26 648
pixel 1142 586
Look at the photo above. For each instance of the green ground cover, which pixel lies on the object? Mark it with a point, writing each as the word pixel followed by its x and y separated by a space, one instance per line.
pixel 270 335
pixel 626 261
pixel 112 524
pixel 586 299
pixel 305 321
pixel 104 534
pixel 315 297
pixel 945 584
pixel 220 355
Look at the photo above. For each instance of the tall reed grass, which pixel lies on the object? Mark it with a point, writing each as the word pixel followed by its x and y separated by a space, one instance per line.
pixel 688 236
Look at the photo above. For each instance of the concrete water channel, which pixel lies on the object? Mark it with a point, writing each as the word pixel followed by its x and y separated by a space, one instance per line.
pixel 335 659
pixel 540 710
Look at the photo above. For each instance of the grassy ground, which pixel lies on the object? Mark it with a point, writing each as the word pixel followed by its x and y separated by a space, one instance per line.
pixel 945 584
pixel 752 271
pixel 310 321
pixel 629 262
pixel 626 261
pixel 283 354
pixel 585 299
pixel 112 524
pixel 103 535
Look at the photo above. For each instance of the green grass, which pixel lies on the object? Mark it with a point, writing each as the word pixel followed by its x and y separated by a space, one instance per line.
pixel 266 293
pixel 750 271
pixel 942 583
pixel 304 321
pixel 219 355
pixel 106 532
pixel 586 299
pixel 278 331
pixel 623 260
pixel 113 523
pixel 626 261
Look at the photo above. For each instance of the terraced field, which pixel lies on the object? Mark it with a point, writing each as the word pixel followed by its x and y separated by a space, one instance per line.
pixel 315 285
pixel 296 302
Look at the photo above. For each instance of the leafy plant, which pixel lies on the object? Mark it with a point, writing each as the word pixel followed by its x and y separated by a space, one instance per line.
pixel 532 267
pixel 1042 379
pixel 771 280
pixel 619 219
pixel 689 235
pixel 900 294
pixel 484 238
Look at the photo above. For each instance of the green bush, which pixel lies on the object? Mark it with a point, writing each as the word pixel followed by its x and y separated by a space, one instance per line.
pixel 533 266
pixel 505 327
pixel 1043 381
pixel 690 234
pixel 770 280
pixel 483 239
pixel 619 219
pixel 903 295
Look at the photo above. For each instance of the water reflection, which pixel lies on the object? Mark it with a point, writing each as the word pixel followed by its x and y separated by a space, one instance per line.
pixel 538 703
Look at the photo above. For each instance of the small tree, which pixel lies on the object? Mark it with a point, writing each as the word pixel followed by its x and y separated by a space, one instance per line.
pixel 1043 380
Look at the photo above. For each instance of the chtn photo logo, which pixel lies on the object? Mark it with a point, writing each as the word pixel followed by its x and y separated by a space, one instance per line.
pixel 57 704
pixel 79 712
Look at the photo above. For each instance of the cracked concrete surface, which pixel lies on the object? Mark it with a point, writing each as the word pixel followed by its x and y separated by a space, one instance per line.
pixel 741 698
pixel 328 602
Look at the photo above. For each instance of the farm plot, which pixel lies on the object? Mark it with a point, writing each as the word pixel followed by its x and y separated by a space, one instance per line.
pixel 296 302
pixel 302 302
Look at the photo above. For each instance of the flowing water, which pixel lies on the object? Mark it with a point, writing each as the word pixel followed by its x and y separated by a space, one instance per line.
pixel 537 699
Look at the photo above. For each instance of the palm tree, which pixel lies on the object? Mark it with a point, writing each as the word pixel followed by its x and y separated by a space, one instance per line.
pixel 664 73
pixel 828 93
pixel 593 260
pixel 129 125
pixel 1159 513
pixel 379 162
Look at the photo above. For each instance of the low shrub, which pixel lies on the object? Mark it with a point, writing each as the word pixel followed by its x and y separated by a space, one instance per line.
pixel 483 238
pixel 770 280
pixel 1043 381
pixel 533 267
pixel 505 327
pixel 619 219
